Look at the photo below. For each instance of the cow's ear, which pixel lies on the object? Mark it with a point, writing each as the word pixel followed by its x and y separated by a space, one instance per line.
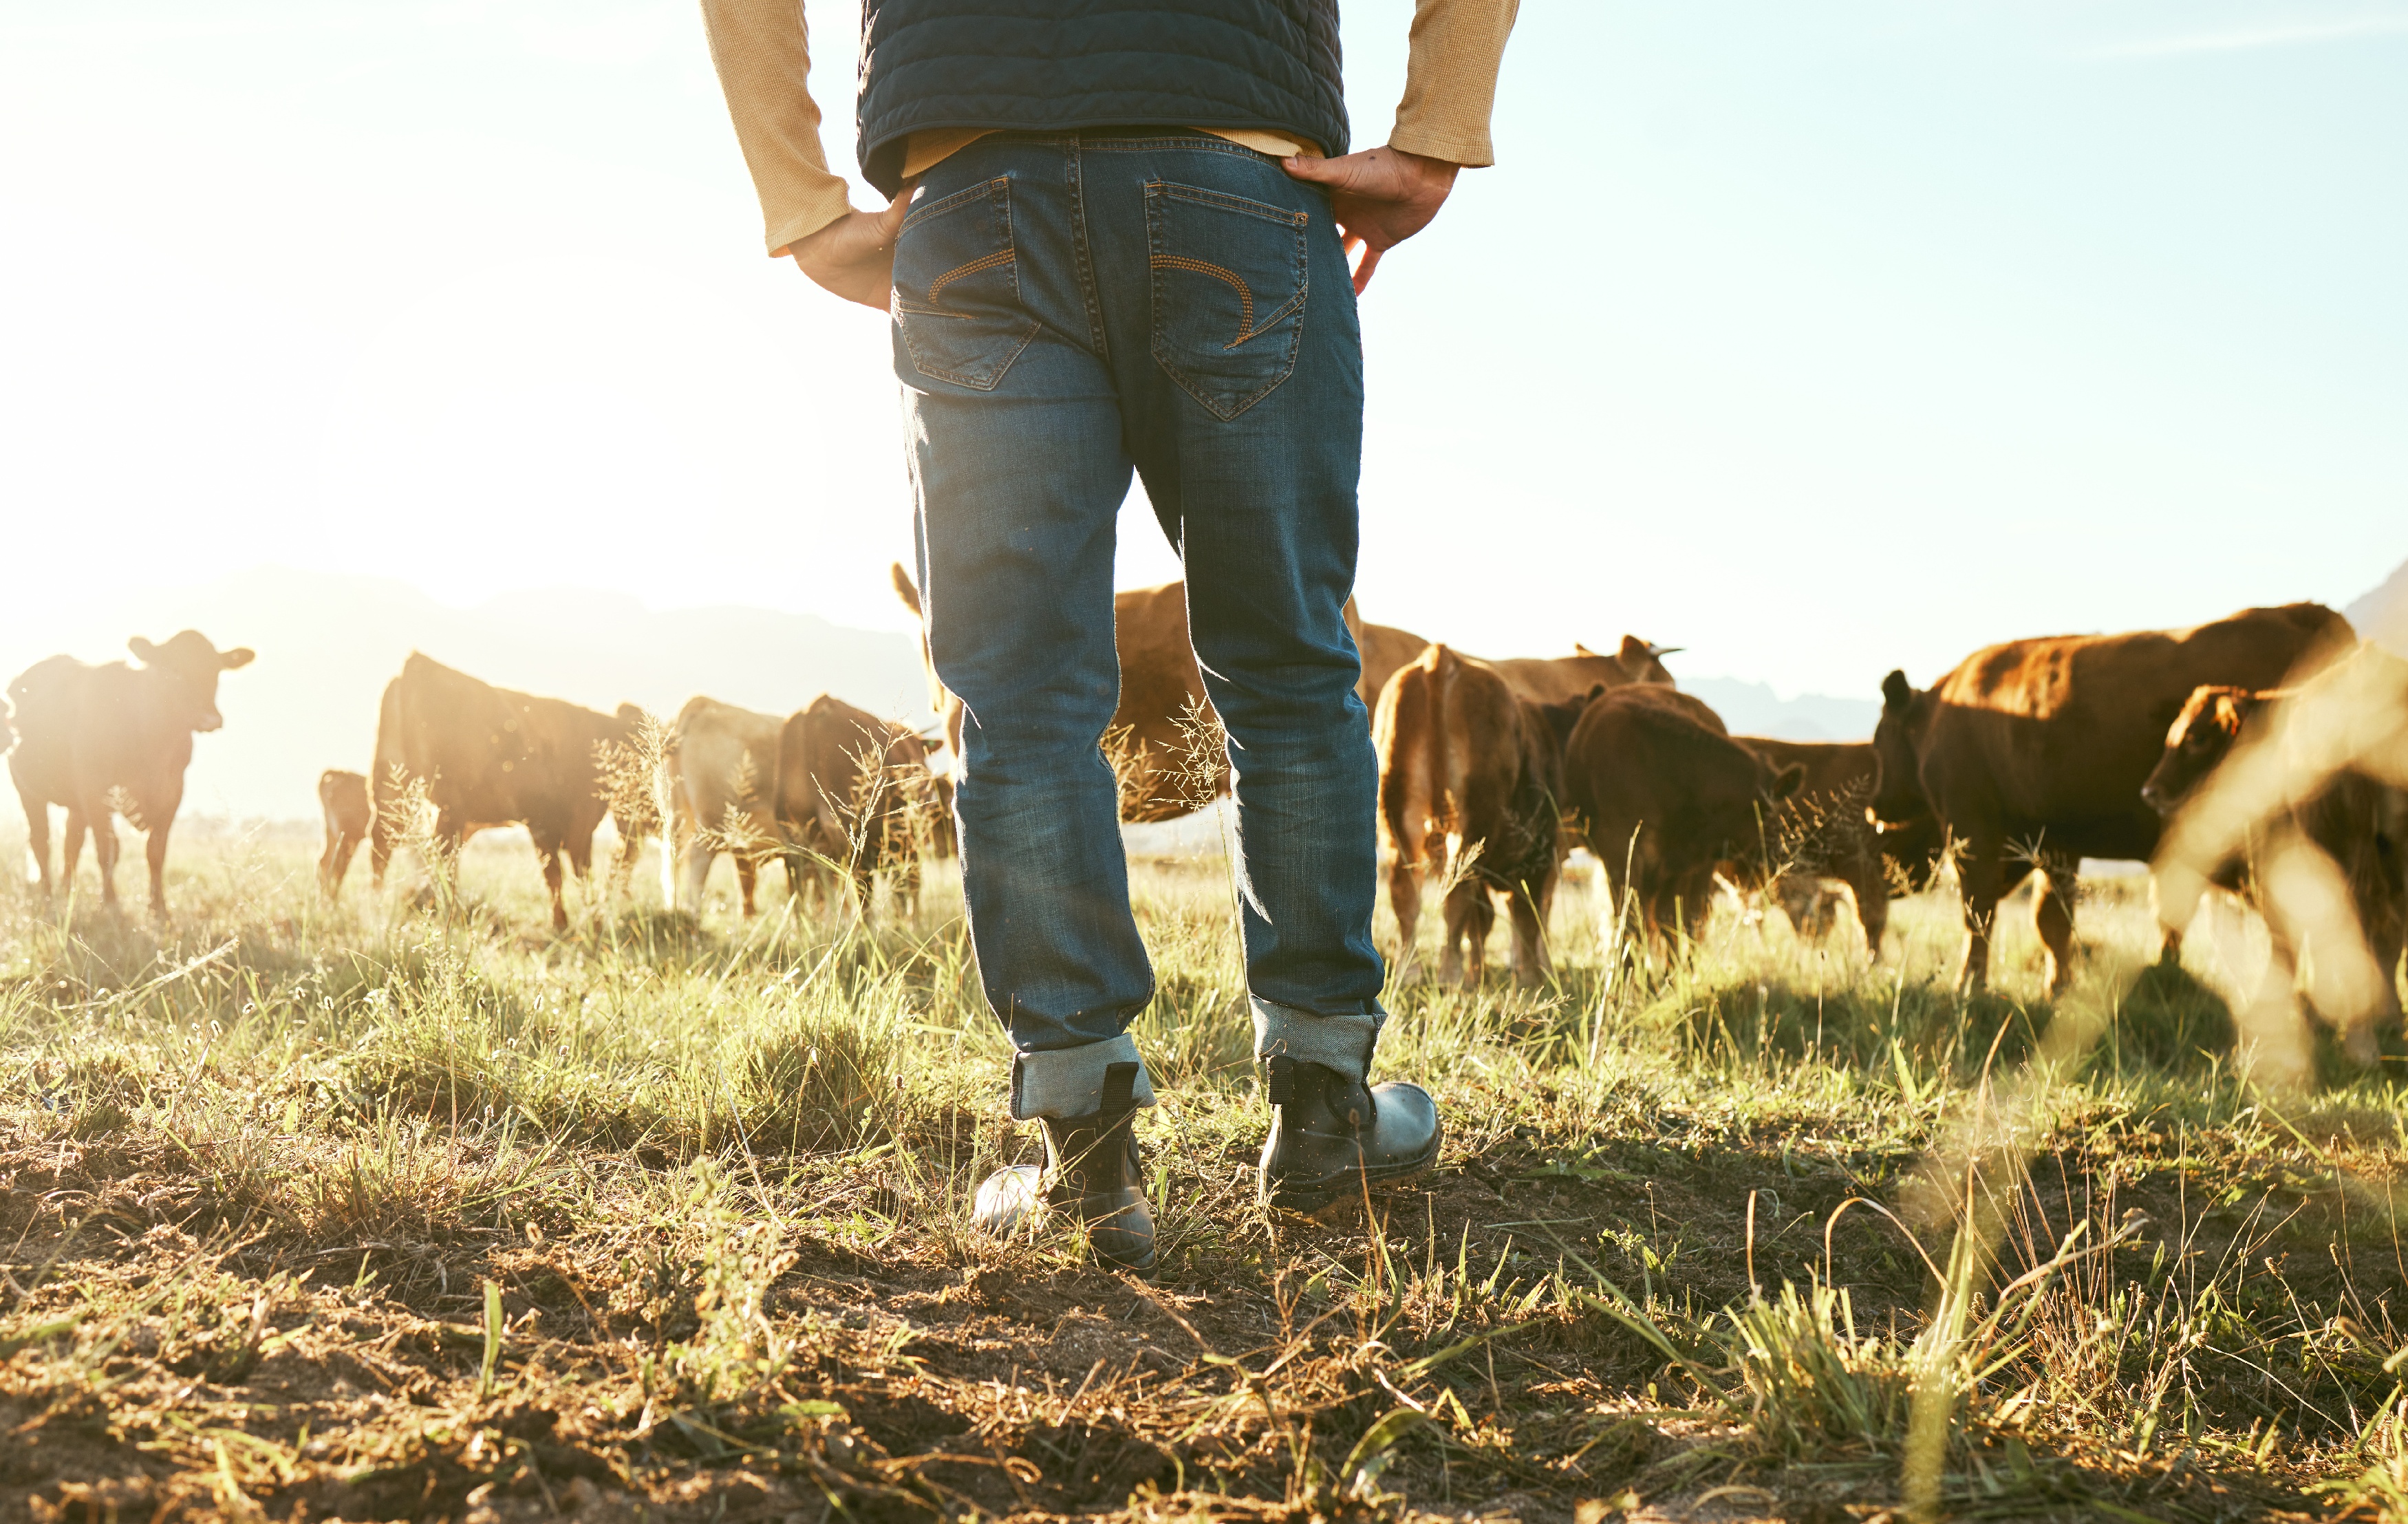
pixel 144 651
pixel 1785 782
pixel 1895 691
pixel 240 655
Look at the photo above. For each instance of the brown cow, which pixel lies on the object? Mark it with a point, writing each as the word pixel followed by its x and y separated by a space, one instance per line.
pixel 343 803
pixel 721 765
pixel 2033 752
pixel 492 757
pixel 2269 794
pixel 97 739
pixel 1471 779
pixel 1665 800
pixel 854 795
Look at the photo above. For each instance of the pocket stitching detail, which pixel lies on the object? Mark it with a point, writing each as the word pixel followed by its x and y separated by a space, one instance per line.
pixel 1004 255
pixel 1245 297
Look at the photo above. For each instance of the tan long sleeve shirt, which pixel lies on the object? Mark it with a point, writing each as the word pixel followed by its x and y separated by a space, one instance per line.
pixel 763 55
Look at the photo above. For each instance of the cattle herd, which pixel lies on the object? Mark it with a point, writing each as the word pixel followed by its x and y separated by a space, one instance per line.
pixel 2265 749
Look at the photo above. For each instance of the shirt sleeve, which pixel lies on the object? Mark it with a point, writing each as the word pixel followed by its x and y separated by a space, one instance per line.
pixel 1451 79
pixel 763 56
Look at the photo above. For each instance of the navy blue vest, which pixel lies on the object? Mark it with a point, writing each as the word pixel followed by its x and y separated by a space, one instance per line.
pixel 1269 65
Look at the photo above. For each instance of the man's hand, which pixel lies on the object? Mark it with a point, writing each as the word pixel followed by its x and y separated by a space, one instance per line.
pixel 854 256
pixel 1382 196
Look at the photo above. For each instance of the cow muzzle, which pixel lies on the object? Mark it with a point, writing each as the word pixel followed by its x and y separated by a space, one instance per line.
pixel 209 720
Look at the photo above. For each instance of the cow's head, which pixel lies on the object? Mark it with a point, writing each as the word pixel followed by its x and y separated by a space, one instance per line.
pixel 1899 795
pixel 2201 738
pixel 1560 717
pixel 1643 661
pixel 192 664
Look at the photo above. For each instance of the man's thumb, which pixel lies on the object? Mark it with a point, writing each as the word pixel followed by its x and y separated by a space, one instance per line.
pixel 890 222
pixel 1320 171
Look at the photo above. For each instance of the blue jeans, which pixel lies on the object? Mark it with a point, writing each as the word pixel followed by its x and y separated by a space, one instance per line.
pixel 1070 308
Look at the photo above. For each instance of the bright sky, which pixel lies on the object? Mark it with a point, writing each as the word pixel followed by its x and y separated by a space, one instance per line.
pixel 1816 338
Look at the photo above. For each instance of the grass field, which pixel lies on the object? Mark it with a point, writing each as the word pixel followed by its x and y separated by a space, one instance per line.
pixel 375 1213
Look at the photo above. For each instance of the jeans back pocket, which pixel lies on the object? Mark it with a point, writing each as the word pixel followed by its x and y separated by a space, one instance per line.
pixel 1228 293
pixel 957 288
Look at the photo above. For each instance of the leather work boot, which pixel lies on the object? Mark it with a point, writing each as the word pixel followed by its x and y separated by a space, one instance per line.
pixel 1091 1170
pixel 1331 1135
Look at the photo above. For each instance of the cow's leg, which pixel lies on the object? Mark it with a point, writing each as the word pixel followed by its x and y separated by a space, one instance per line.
pixel 549 848
pixel 154 855
pixel 103 822
pixel 1980 887
pixel 580 847
pixel 1527 907
pixel 748 873
pixel 2053 918
pixel 71 847
pixel 158 816
pixel 37 837
pixel 347 849
pixel 1693 900
pixel 698 858
pixel 1868 882
pixel 1468 917
pixel 329 876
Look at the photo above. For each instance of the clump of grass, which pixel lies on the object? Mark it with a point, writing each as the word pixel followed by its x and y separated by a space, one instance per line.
pixel 820 1078
pixel 1812 1386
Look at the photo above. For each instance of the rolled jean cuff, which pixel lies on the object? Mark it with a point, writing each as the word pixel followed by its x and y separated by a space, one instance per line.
pixel 1343 1043
pixel 1069 1082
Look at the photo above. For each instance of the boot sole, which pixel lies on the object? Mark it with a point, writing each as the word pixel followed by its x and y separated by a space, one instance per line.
pixel 1296 1195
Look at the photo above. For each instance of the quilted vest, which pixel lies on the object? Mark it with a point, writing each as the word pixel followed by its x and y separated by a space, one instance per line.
pixel 1268 64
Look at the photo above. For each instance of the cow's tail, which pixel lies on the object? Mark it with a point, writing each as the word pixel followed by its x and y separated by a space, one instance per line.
pixel 1400 706
pixel 1407 734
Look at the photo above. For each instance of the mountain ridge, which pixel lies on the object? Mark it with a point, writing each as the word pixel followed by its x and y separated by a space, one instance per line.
pixel 2382 614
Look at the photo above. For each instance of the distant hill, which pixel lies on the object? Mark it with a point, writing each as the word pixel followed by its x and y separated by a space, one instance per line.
pixel 328 643
pixel 1751 709
pixel 2381 615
